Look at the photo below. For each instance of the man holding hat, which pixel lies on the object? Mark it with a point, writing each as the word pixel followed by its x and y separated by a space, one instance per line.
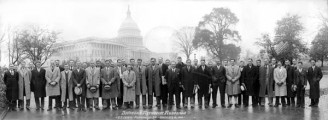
pixel 78 77
pixel 93 81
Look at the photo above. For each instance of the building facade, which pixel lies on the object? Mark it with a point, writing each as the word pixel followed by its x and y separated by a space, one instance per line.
pixel 128 44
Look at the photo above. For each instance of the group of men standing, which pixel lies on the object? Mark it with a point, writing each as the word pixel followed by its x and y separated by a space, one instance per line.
pixel 75 85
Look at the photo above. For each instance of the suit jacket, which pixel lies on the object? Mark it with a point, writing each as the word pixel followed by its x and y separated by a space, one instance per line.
pixel 53 76
pixel 173 78
pixel 153 77
pixel 218 75
pixel 300 77
pixel 63 85
pixel 188 80
pixel 204 79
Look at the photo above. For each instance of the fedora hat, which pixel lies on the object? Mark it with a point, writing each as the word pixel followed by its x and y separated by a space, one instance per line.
pixel 107 87
pixel 93 89
pixel 78 90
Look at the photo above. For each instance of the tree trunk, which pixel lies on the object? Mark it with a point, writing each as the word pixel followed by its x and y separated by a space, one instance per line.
pixel 322 61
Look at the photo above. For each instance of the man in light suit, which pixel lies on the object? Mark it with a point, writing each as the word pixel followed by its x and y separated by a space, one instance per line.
pixel 53 85
pixel 66 86
pixel 233 83
pixel 24 86
pixel 93 80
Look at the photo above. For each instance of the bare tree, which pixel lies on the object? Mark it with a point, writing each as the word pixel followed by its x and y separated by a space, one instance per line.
pixel 38 43
pixel 184 38
pixel 15 53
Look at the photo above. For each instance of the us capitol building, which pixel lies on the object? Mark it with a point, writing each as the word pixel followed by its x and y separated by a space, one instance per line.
pixel 128 44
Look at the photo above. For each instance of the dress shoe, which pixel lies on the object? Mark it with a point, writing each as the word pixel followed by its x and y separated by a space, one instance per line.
pixel 206 106
pixel 276 105
pixel 49 109
pixel 178 107
pixel 192 107
pixel 223 106
pixel 28 108
pixel 97 108
pixel 185 106
pixel 214 106
pixel 237 106
pixel 115 108
pixel 144 107
pixel 230 105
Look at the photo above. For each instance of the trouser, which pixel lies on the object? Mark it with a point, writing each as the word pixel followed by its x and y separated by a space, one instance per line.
pixel 192 101
pixel 143 98
pixel 80 101
pixel 283 100
pixel 239 98
pixel 21 103
pixel 57 101
pixel 221 88
pixel 150 99
pixel 37 102
pixel 93 102
pixel 105 102
pixel 206 99
pixel 129 104
pixel 120 98
pixel 262 100
pixel 255 100
pixel 73 103
pixel 315 102
pixel 290 100
pixel 300 91
pixel 175 90
pixel 164 94
pixel 12 104
pixel 181 96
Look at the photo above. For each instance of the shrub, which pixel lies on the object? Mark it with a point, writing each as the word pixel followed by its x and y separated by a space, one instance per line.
pixel 3 100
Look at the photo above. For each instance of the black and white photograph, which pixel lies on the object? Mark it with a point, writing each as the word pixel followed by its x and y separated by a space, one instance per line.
pixel 163 59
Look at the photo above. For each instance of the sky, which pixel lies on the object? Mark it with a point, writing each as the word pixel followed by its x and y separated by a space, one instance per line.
pixel 158 19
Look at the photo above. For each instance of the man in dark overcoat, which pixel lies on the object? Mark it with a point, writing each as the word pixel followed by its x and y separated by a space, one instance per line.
pixel 249 79
pixel 314 76
pixel 39 85
pixel 11 79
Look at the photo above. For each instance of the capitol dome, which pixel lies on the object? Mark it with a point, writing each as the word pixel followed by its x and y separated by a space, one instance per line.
pixel 129 27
